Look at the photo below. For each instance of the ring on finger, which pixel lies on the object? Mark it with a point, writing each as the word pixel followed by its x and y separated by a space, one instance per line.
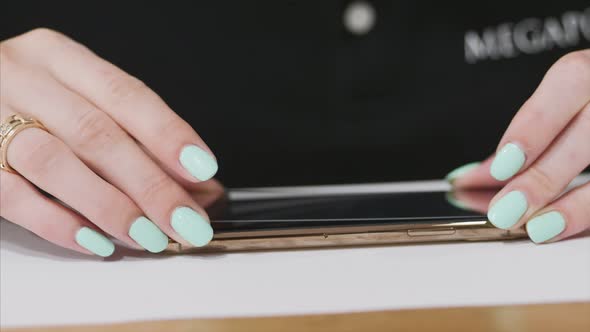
pixel 9 128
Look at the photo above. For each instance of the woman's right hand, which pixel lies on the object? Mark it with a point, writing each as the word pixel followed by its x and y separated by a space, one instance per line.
pixel 114 153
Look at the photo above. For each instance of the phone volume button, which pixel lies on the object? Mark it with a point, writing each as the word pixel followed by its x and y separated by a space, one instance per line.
pixel 431 231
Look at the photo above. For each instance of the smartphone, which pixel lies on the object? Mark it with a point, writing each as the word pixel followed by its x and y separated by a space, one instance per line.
pixel 352 219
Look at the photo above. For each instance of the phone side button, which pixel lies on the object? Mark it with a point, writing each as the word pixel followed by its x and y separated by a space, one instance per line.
pixel 431 231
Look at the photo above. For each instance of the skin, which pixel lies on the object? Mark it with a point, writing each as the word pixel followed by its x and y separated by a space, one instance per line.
pixel 553 130
pixel 100 153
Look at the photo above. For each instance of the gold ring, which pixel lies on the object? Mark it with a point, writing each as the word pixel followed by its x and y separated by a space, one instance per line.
pixel 8 129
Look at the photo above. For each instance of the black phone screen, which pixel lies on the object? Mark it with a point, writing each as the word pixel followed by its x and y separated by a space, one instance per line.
pixel 348 210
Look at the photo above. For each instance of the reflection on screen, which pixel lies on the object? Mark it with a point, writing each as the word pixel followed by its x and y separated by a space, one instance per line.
pixel 346 210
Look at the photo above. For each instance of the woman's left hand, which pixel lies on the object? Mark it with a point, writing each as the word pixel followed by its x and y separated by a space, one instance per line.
pixel 545 147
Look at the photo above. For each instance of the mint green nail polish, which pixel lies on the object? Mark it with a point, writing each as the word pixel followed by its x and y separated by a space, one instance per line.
pixel 95 242
pixel 191 226
pixel 148 235
pixel 545 227
pixel 508 210
pixel 198 162
pixel 508 161
pixel 460 171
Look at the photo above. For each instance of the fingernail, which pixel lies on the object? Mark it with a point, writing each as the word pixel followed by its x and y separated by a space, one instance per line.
pixel 508 210
pixel 545 227
pixel 191 226
pixel 460 171
pixel 508 161
pixel 148 235
pixel 198 162
pixel 94 242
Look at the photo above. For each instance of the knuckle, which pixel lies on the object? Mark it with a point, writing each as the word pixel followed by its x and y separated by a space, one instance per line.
pixel 532 109
pixel 543 182
pixel 174 124
pixel 97 131
pixel 577 63
pixel 49 42
pixel 42 32
pixel 42 35
pixel 157 187
pixel 42 158
pixel 121 87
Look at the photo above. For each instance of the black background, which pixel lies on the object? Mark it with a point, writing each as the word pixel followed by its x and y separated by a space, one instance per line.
pixel 283 94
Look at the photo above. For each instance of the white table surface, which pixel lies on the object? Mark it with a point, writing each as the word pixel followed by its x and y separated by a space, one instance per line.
pixel 42 284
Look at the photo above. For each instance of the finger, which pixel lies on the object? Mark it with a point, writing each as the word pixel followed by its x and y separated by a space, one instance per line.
pixel 473 175
pixel 24 205
pixel 135 107
pixel 208 193
pixel 111 153
pixel 49 164
pixel 547 178
pixel 565 89
pixel 182 181
pixel 211 188
pixel 561 94
pixel 471 200
pixel 567 216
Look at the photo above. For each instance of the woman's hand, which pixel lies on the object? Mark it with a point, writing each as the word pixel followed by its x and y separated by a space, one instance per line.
pixel 120 159
pixel 545 147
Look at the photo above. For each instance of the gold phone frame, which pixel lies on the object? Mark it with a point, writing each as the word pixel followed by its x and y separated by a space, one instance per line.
pixel 408 232
pixel 460 230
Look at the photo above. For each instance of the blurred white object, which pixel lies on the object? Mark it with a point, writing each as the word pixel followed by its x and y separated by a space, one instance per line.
pixel 359 17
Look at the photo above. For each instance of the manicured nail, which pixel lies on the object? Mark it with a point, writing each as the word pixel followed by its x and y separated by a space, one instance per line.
pixel 148 235
pixel 508 210
pixel 198 162
pixel 508 161
pixel 545 227
pixel 460 171
pixel 95 242
pixel 191 226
